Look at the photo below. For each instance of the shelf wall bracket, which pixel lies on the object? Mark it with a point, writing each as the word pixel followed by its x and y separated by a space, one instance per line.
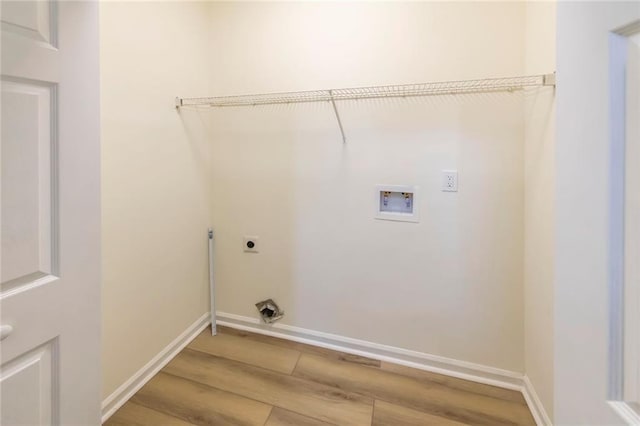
pixel 335 110
pixel 549 79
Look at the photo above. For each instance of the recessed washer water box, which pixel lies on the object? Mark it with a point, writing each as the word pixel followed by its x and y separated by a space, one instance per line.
pixel 397 202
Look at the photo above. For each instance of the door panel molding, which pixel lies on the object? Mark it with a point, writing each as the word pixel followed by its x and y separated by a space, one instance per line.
pixel 30 225
pixel 31 380
pixel 33 20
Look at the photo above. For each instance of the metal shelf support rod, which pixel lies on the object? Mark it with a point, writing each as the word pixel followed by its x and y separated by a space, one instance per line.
pixel 335 109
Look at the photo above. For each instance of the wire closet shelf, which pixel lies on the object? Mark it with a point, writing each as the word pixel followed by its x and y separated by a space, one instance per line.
pixel 375 92
pixel 509 84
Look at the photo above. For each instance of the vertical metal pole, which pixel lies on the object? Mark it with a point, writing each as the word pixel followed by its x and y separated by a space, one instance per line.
pixel 212 288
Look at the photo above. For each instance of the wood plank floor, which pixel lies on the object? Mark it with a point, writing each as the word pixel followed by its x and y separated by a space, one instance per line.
pixel 241 378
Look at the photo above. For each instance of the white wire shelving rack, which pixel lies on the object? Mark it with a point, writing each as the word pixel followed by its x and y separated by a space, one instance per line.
pixel 461 87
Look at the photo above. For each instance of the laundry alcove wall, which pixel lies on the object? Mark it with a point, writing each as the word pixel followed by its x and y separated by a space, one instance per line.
pixel 451 285
pixel 336 269
pixel 155 191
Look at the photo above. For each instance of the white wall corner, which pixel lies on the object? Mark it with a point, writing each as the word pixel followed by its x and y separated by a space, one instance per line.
pixel 535 404
pixel 120 396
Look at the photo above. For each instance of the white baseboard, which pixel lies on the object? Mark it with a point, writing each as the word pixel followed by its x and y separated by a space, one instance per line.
pixel 121 395
pixel 423 361
pixel 535 405
pixel 419 360
pixel 451 367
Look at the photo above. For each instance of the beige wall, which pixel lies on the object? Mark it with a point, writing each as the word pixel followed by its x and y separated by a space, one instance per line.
pixel 451 285
pixel 539 202
pixel 155 185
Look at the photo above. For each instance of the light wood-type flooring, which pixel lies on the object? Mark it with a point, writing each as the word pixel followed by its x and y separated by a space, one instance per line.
pixel 241 378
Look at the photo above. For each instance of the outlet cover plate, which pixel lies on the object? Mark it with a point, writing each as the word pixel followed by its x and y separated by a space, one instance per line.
pixel 450 180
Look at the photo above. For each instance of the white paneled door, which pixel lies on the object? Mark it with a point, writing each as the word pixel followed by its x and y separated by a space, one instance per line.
pixel 50 214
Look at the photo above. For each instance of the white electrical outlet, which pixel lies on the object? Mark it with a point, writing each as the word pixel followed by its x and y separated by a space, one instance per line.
pixel 250 244
pixel 450 180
